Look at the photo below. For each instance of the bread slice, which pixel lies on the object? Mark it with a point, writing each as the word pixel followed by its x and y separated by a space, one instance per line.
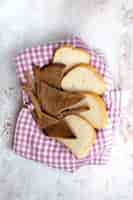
pixel 96 115
pixel 51 74
pixel 55 101
pixel 43 119
pixel 85 136
pixel 70 56
pixel 60 130
pixel 83 78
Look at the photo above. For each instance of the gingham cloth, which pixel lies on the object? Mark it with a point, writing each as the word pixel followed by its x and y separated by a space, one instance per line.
pixel 31 143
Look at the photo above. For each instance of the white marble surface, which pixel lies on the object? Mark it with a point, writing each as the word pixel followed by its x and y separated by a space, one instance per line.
pixel 104 24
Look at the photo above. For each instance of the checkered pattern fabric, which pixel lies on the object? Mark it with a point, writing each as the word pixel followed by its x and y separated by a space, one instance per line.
pixel 31 143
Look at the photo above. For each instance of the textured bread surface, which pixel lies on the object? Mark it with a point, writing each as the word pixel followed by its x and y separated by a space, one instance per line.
pixel 70 56
pixel 83 78
pixel 85 136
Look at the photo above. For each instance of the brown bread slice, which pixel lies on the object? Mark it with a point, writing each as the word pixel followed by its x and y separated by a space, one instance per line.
pixel 52 74
pixel 53 126
pixel 55 101
pixel 43 119
pixel 60 129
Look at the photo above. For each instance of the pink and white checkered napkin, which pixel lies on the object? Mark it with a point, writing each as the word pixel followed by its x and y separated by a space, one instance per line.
pixel 31 143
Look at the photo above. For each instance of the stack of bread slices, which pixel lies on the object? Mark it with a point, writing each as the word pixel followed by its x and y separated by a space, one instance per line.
pixel 67 98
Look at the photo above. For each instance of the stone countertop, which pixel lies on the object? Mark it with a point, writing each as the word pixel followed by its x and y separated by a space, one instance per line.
pixel 107 26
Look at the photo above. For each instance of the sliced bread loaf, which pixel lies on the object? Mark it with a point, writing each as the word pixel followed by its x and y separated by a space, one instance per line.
pixel 83 78
pixel 70 56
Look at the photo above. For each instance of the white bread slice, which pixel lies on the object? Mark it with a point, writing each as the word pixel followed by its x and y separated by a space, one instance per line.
pixel 70 56
pixel 97 114
pixel 85 136
pixel 83 78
